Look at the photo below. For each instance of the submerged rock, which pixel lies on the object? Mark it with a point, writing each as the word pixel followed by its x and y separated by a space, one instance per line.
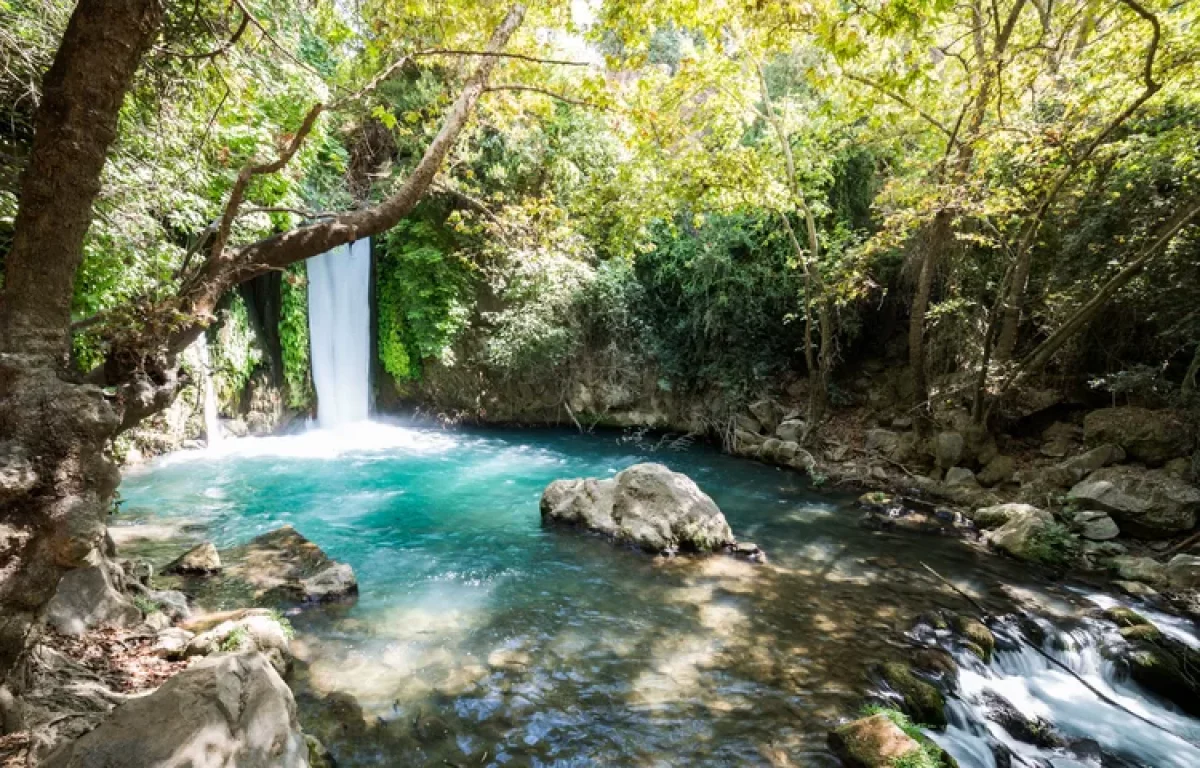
pixel 1165 666
pixel 229 710
pixel 1027 728
pixel 200 559
pixel 646 505
pixel 872 742
pixel 284 565
pixel 977 633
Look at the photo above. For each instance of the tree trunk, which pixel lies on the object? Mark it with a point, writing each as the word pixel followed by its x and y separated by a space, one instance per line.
pixel 933 247
pixel 75 125
pixel 56 484
pixel 1091 309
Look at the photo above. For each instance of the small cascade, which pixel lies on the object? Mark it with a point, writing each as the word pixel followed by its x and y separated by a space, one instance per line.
pixel 339 318
pixel 198 357
pixel 212 416
pixel 1070 685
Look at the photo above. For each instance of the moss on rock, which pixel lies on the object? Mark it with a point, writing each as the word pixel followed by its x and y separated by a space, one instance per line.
pixel 921 700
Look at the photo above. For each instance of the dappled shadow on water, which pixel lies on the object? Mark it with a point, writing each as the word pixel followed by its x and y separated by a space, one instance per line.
pixel 637 661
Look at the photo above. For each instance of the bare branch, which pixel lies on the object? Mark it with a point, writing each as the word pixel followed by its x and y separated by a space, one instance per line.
pixel 900 100
pixel 232 41
pixel 520 56
pixel 544 92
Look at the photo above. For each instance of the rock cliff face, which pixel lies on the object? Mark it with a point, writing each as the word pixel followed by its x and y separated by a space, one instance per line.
pixel 647 505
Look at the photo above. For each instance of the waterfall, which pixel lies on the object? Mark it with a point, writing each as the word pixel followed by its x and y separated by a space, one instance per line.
pixel 198 360
pixel 212 417
pixel 339 318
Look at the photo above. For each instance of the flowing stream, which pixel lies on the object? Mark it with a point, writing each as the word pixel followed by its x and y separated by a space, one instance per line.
pixel 339 317
pixel 482 638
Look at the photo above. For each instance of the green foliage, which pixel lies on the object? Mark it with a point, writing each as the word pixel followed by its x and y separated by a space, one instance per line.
pixel 235 353
pixel 234 641
pixel 145 604
pixel 721 302
pixel 284 623
pixel 534 331
pixel 294 339
pixel 1052 544
pixel 423 299
pixel 928 756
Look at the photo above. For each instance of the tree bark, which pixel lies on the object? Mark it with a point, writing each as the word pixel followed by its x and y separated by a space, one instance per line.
pixel 75 125
pixel 55 482
pixel 820 370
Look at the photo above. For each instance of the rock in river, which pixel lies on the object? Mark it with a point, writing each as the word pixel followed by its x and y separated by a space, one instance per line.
pixel 200 559
pixel 647 505
pixel 284 564
pixel 872 742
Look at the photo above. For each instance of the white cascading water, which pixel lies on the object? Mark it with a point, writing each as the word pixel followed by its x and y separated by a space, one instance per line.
pixel 1039 688
pixel 339 317
pixel 198 360
pixel 212 416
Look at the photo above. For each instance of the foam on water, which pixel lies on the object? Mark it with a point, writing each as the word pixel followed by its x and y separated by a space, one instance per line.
pixel 1038 688
pixel 357 439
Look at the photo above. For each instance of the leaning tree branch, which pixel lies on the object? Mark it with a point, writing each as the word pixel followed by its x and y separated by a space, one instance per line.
pixel 896 97
pixel 502 55
pixel 1014 300
pixel 248 172
pixel 228 267
pixel 266 33
pixel 1085 314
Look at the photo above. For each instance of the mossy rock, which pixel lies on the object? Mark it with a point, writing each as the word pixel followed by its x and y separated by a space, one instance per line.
pixel 978 635
pixel 1141 632
pixel 935 661
pixel 1125 617
pixel 1165 666
pixel 318 755
pixel 921 700
pixel 873 742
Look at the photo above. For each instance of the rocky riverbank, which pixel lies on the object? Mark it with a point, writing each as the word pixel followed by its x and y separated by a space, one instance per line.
pixel 133 671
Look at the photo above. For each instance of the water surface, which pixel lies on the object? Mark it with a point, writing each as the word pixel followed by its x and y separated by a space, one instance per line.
pixel 482 638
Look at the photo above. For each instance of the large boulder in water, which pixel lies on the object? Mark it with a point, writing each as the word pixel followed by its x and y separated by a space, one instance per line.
pixel 1164 665
pixel 224 711
pixel 646 505
pixel 1145 503
pixel 284 565
pixel 1153 437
